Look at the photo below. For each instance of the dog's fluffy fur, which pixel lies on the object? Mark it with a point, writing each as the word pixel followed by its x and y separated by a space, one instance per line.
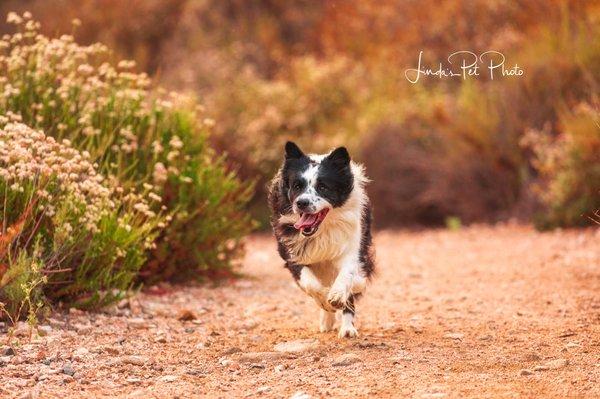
pixel 321 217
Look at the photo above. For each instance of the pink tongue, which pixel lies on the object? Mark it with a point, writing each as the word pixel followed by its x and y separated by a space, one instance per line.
pixel 306 220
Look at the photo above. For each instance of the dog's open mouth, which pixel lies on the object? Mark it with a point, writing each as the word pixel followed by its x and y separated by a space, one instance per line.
pixel 309 222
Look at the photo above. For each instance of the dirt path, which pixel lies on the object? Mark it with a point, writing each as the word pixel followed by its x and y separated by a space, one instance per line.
pixel 484 312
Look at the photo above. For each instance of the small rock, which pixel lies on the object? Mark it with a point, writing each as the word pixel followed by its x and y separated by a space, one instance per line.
pixel 346 360
pixel 231 351
pixel 7 351
pixel 300 395
pixel 557 364
pixel 161 339
pixel 44 330
pixel 226 362
pixel 532 357
pixel 263 389
pixel 525 372
pixel 402 356
pixel 571 345
pixel 457 336
pixel 248 325
pixel 566 334
pixel 257 366
pixel 299 345
pixel 4 360
pixel 138 322
pixel 22 329
pixel 186 315
pixel 279 368
pixel 253 357
pixel 81 351
pixel 168 378
pixel 135 360
pixel 552 365
pixel 82 329
pixel 68 369
pixel 434 395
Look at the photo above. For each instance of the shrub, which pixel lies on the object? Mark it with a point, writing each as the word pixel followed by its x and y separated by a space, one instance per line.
pixel 569 168
pixel 141 140
pixel 66 235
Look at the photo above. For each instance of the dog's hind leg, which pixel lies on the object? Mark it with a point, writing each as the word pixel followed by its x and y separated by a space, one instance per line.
pixel 347 328
pixel 326 321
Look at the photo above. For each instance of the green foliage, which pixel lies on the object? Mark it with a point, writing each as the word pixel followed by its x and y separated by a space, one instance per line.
pixel 569 167
pixel 150 147
pixel 66 235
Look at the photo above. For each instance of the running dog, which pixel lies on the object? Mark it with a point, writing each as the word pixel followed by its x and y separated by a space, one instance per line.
pixel 321 217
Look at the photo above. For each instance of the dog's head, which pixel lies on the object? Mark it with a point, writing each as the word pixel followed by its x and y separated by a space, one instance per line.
pixel 314 184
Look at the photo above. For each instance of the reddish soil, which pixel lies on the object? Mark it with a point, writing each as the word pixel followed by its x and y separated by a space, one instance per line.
pixel 481 312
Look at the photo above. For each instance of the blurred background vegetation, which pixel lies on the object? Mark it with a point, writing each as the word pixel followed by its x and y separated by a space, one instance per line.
pixel 332 72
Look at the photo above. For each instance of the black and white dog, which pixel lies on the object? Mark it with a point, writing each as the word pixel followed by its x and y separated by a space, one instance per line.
pixel 321 217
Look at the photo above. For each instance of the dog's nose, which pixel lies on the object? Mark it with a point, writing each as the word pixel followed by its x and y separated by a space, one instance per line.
pixel 302 204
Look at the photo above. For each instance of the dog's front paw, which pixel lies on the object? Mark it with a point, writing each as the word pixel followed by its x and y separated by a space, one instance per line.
pixel 348 332
pixel 337 298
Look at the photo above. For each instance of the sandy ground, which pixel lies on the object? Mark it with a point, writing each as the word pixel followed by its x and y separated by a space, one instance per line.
pixel 482 312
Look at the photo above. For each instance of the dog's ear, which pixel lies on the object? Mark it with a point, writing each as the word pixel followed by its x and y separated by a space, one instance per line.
pixel 339 157
pixel 292 151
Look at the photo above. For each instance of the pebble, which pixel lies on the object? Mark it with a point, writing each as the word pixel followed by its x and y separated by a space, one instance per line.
pixel 572 345
pixel 44 330
pixel 135 360
pixel 138 322
pixel 300 345
pixel 231 351
pixel 526 372
pixel 279 368
pixel 263 389
pixel 253 357
pixel 68 369
pixel 300 395
pixel 186 315
pixel 457 336
pixel 168 378
pixel 532 357
pixel 552 365
pixel 22 329
pixel 7 351
pixel 402 356
pixel 81 351
pixel 346 360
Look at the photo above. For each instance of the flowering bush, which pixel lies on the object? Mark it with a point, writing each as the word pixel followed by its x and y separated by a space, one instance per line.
pixel 66 234
pixel 569 168
pixel 141 140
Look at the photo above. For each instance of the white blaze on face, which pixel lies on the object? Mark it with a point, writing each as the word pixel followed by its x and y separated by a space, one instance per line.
pixel 310 175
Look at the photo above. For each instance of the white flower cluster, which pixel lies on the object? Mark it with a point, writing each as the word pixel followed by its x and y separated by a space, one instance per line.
pixel 68 78
pixel 29 158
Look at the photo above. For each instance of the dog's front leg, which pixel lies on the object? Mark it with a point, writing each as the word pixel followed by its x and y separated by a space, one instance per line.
pixel 313 287
pixel 342 286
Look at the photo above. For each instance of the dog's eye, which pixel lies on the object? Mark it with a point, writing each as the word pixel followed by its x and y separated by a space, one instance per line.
pixel 297 185
pixel 322 187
